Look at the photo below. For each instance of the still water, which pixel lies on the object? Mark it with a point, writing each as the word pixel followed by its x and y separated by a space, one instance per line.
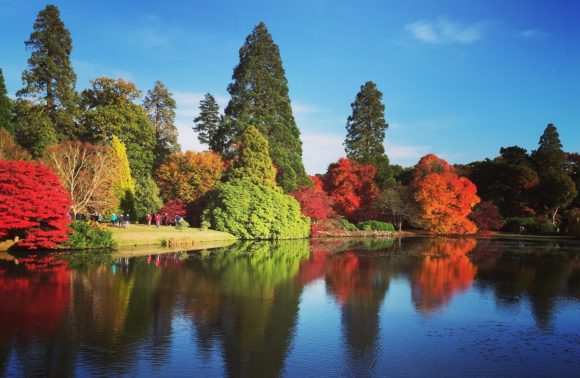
pixel 411 307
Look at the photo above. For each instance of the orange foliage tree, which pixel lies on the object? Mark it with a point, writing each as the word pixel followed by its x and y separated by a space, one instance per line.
pixel 189 175
pixel 352 187
pixel 444 198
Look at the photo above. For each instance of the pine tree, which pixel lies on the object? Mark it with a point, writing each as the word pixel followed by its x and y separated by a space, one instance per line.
pixel 50 78
pixel 207 125
pixel 160 106
pixel 260 97
pixel 5 113
pixel 254 163
pixel 556 190
pixel 366 133
pixel 549 155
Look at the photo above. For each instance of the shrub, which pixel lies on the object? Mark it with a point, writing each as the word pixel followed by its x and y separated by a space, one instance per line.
pixel 344 224
pixel 250 211
pixel 89 235
pixel 33 205
pixel 530 225
pixel 376 226
pixel 182 224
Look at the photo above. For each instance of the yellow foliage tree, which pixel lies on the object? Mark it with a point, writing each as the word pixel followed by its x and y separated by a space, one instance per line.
pixel 123 183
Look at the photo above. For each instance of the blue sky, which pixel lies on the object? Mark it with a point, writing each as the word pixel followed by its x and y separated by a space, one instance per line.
pixel 460 78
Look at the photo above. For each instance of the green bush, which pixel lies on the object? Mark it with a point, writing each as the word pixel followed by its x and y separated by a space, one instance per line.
pixel 87 235
pixel 530 225
pixel 182 224
pixel 376 226
pixel 344 224
pixel 250 211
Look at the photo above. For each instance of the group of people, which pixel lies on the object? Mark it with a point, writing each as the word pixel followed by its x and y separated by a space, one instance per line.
pixel 120 220
pixel 163 220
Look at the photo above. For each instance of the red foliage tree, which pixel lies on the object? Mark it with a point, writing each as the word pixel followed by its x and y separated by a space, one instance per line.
pixel 444 198
pixel 353 189
pixel 486 216
pixel 314 203
pixel 33 205
pixel 173 208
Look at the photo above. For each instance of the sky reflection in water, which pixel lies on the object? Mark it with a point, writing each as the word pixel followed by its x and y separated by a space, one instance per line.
pixel 416 307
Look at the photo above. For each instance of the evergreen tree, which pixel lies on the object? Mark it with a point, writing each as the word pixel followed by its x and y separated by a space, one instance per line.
pixel 549 155
pixel 260 97
pixel 122 180
pixel 5 112
pixel 50 78
pixel 556 190
pixel 207 125
pixel 366 133
pixel 160 106
pixel 254 163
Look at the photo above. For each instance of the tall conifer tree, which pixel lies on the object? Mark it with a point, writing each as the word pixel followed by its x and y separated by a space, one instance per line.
pixel 556 190
pixel 5 112
pixel 366 133
pixel 50 78
pixel 160 106
pixel 207 125
pixel 260 97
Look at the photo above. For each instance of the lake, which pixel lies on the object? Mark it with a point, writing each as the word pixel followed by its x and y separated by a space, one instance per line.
pixel 418 307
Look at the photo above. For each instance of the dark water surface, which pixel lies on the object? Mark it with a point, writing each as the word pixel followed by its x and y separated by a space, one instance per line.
pixel 410 307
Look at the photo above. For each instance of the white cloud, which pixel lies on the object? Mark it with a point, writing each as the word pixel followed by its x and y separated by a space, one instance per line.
pixel 321 149
pixel 445 31
pixel 532 33
pixel 301 110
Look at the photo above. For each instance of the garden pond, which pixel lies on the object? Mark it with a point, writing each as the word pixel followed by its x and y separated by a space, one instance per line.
pixel 417 307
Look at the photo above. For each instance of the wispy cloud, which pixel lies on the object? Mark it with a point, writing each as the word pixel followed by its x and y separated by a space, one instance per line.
pixel 532 33
pixel 187 103
pixel 300 109
pixel 445 31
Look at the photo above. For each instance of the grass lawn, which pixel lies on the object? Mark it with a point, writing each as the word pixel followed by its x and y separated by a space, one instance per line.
pixel 138 234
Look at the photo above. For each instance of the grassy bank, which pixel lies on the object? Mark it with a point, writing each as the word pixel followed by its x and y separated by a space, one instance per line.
pixel 137 235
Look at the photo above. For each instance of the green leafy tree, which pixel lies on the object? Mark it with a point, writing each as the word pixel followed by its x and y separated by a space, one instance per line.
pixel 207 125
pixel 259 97
pixel 109 109
pixel 254 163
pixel 160 106
pixel 146 199
pixel 5 106
pixel 366 133
pixel 556 189
pixel 33 128
pixel 50 79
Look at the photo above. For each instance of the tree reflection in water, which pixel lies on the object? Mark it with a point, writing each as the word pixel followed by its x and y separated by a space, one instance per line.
pixel 240 304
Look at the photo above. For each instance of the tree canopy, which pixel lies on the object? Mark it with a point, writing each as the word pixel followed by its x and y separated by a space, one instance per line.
pixel 160 106
pixel 50 78
pixel 259 97
pixel 366 133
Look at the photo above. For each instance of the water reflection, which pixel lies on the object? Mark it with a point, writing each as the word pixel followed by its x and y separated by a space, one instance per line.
pixel 234 311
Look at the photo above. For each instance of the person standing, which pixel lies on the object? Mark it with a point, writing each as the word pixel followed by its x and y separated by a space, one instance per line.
pixel 149 217
pixel 113 219
pixel 158 219
pixel 127 220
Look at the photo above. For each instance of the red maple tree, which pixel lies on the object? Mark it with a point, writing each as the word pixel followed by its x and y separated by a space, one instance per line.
pixel 173 208
pixel 445 199
pixel 314 202
pixel 33 205
pixel 353 189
